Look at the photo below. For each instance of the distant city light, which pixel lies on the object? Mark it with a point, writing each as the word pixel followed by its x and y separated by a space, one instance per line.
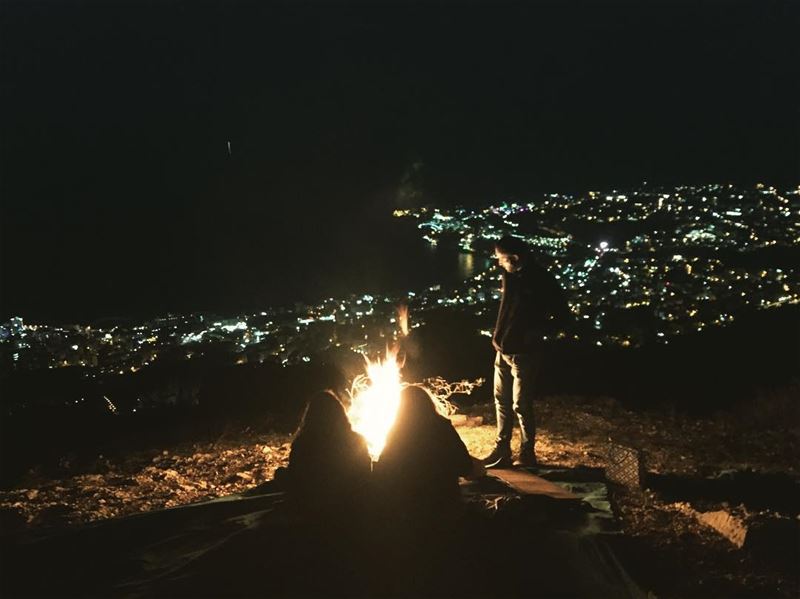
pixel 677 272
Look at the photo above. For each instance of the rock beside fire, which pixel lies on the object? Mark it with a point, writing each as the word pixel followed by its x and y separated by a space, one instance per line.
pixel 729 526
pixel 464 420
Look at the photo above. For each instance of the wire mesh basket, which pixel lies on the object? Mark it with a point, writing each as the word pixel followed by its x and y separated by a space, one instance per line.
pixel 625 466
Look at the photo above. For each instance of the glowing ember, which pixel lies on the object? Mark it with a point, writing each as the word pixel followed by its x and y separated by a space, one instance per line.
pixel 374 401
pixel 402 319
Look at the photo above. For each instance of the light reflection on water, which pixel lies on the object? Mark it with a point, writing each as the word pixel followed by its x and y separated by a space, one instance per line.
pixel 455 265
pixel 466 265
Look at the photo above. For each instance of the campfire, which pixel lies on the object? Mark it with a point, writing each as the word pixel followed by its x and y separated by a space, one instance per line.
pixel 375 395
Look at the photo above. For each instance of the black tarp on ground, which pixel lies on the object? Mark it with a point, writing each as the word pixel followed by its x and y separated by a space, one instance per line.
pixel 500 545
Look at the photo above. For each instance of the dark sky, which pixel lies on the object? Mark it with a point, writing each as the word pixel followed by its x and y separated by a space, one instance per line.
pixel 116 181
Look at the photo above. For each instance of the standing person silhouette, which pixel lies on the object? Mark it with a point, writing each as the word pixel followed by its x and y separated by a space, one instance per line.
pixel 531 298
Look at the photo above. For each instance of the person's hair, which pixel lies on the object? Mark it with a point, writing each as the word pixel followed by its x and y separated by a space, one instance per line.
pixel 511 245
pixel 416 404
pixel 415 412
pixel 324 412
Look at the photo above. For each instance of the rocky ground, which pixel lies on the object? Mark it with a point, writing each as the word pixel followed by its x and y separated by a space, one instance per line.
pixel 703 472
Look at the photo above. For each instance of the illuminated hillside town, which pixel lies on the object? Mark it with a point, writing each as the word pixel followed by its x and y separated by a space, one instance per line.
pixel 638 266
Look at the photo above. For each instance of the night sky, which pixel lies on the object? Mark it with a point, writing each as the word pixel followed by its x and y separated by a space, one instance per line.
pixel 119 195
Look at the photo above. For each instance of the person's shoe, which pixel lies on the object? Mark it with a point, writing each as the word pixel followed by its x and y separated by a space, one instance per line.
pixel 499 458
pixel 526 459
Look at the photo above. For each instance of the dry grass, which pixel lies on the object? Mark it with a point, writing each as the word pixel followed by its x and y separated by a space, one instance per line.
pixel 571 432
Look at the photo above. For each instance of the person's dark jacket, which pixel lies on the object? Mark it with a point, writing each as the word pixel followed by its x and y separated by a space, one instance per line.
pixel 532 303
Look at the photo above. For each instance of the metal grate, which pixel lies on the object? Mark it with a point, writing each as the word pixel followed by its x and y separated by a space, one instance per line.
pixel 625 466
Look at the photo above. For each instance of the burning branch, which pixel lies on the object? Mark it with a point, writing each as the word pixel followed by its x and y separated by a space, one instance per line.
pixel 441 390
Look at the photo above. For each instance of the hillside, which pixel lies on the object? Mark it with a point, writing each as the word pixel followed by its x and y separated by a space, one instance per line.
pixel 731 462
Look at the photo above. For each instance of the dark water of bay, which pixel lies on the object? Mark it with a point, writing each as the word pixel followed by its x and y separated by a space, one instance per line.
pixel 239 265
pixel 370 254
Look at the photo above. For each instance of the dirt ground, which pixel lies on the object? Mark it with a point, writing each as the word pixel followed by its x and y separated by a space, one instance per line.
pixel 695 466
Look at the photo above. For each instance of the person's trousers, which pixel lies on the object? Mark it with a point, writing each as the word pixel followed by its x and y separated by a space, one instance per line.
pixel 514 386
